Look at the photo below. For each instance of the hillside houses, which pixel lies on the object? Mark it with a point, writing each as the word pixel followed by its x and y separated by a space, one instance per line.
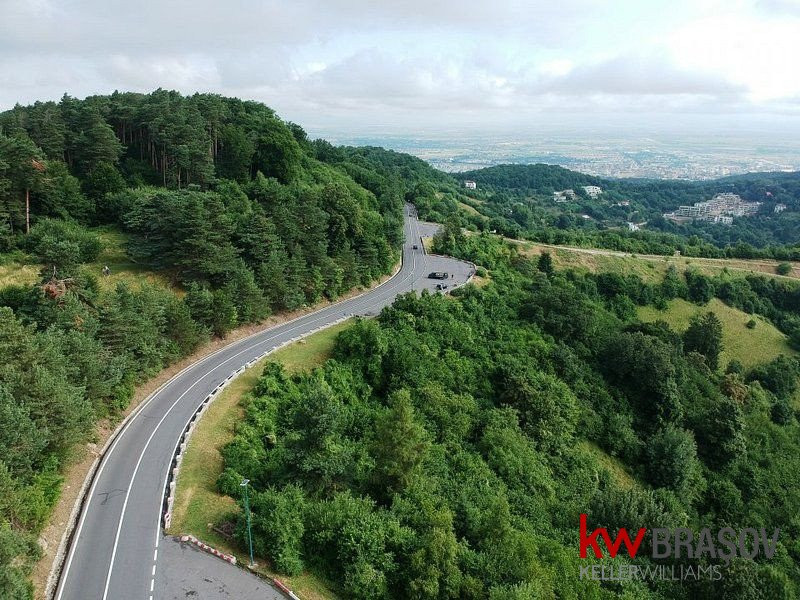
pixel 564 196
pixel 593 191
pixel 722 208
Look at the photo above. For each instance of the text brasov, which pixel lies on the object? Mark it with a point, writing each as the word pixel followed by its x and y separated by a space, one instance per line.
pixel 708 547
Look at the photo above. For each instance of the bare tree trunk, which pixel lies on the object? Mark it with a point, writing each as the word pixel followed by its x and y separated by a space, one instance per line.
pixel 27 210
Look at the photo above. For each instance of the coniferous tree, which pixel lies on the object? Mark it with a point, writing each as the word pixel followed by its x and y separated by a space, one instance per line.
pixel 545 264
pixel 400 445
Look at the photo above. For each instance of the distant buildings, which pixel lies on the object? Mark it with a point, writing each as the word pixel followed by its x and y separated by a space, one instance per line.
pixel 720 209
pixel 623 203
pixel 564 195
pixel 592 191
pixel 779 208
pixel 633 226
pixel 470 185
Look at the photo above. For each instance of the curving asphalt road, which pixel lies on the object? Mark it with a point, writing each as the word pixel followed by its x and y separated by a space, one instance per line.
pixel 118 546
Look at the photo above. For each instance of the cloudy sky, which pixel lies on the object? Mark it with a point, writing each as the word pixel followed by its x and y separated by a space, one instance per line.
pixel 408 65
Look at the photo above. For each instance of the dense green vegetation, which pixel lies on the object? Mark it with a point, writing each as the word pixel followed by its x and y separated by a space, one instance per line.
pixel 435 455
pixel 449 447
pixel 221 197
pixel 517 200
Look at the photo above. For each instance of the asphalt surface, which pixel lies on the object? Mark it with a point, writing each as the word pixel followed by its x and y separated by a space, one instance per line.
pixel 118 550
pixel 184 571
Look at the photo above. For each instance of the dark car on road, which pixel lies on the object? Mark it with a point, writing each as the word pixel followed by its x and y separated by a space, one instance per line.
pixel 439 275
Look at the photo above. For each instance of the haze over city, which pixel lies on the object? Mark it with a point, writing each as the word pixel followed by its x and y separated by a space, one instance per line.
pixel 709 82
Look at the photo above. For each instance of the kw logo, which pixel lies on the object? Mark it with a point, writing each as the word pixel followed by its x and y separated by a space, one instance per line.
pixel 589 540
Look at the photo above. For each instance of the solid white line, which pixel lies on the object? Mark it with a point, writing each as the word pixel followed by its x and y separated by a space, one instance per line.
pixel 394 282
pixel 138 410
pixel 163 418
pixel 273 348
pixel 61 584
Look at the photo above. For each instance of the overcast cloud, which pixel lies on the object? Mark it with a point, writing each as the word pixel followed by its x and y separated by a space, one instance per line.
pixel 414 63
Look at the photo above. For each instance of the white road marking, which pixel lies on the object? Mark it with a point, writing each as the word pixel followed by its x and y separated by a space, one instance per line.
pixel 163 418
pixel 323 313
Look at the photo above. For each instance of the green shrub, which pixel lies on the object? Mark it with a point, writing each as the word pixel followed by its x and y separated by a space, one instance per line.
pixel 63 244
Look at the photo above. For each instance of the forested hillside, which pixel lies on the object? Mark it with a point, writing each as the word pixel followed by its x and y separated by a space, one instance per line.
pixel 235 209
pixel 450 446
pixel 518 201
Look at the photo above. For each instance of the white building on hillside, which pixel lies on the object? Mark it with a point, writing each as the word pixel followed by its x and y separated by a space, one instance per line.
pixel 564 195
pixel 470 185
pixel 720 209
pixel 592 191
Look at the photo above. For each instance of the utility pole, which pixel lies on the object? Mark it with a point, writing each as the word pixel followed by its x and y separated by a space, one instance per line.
pixel 244 484
pixel 27 210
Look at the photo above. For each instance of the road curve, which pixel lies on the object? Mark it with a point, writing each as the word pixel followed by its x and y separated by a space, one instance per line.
pixel 114 550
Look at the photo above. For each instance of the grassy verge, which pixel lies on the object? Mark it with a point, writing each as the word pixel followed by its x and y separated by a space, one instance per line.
pixel 198 505
pixel 748 346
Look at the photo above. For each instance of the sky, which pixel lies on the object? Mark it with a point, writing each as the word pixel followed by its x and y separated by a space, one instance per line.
pixel 420 65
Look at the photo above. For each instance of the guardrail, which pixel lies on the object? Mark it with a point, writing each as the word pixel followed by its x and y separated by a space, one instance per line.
pixel 188 430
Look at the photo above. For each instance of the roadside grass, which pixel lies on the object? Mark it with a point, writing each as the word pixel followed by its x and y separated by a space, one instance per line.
pixel 749 346
pixel 613 465
pixel 479 281
pixel 198 505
